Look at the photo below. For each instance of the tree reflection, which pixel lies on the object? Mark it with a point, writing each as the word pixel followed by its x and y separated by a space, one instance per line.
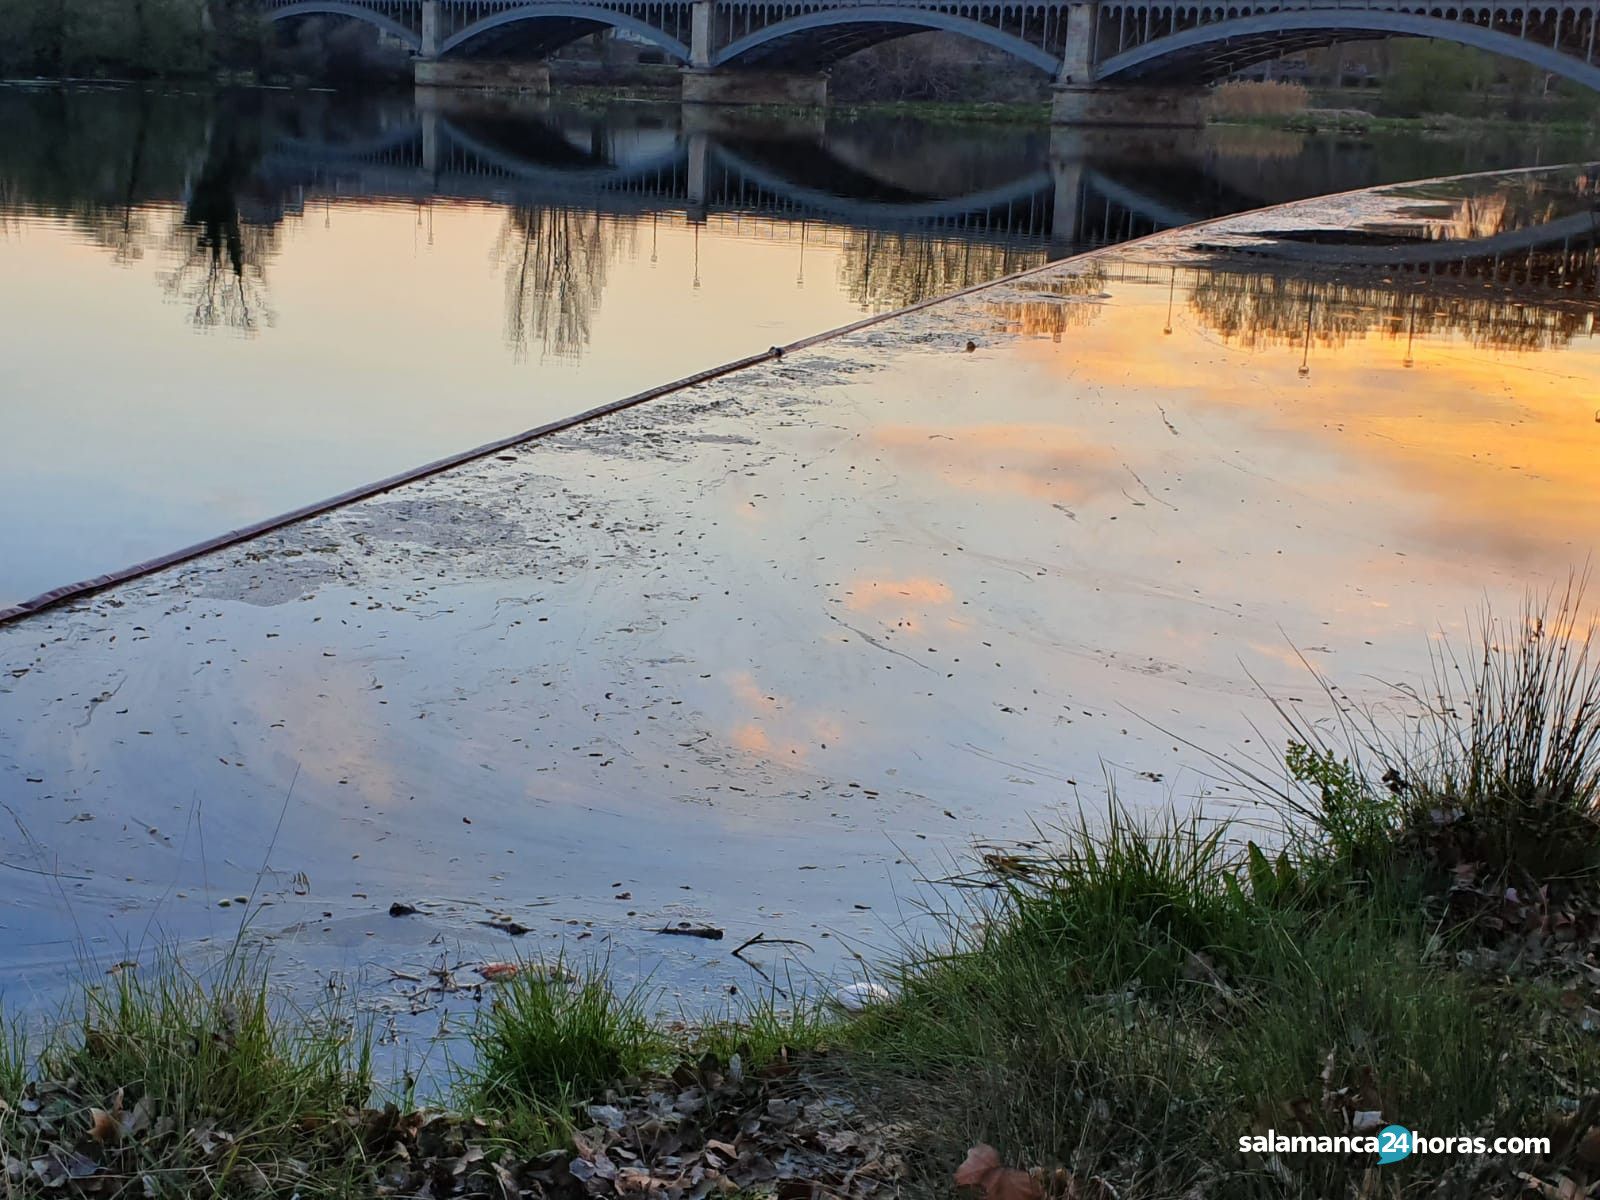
pixel 101 167
pixel 555 262
pixel 1067 301
pixel 1539 302
pixel 220 277
pixel 1523 203
pixel 221 272
pixel 883 271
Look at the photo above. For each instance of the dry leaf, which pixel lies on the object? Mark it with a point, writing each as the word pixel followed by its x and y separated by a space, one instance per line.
pixel 982 1169
pixel 495 972
pixel 103 1127
pixel 981 1159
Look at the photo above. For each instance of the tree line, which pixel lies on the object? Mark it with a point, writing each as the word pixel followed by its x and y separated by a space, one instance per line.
pixel 127 38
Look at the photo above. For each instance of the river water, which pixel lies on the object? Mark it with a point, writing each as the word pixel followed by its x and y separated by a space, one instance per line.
pixel 215 309
pixel 773 653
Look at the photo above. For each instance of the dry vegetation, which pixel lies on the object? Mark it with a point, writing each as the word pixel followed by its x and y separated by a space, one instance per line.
pixel 1249 100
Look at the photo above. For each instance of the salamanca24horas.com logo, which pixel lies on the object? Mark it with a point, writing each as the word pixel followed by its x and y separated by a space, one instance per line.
pixel 1390 1144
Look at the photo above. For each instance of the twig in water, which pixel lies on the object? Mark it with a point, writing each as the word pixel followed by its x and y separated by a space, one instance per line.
pixel 761 939
pixel 46 874
pixel 709 932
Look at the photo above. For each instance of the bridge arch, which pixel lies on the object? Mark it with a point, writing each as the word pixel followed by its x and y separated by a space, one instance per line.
pixel 881 213
pixel 876 23
pixel 342 8
pixel 595 175
pixel 1264 35
pixel 564 13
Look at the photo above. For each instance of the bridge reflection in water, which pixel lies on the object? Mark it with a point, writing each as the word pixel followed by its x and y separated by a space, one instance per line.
pixel 577 189
pixel 1506 264
pixel 409 280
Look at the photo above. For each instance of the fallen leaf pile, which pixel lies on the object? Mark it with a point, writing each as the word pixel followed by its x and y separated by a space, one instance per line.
pixel 1535 929
pixel 708 1130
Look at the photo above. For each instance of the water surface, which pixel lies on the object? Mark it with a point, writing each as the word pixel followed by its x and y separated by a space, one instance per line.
pixel 214 309
pixel 770 651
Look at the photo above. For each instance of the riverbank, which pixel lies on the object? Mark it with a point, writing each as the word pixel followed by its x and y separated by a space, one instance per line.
pixel 1442 125
pixel 1023 113
pixel 1130 1008
pixel 659 87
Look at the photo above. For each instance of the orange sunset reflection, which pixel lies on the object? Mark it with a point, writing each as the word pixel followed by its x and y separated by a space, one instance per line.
pixel 1447 402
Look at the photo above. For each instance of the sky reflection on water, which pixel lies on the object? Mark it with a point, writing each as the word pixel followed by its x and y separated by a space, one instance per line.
pixel 762 651
pixel 375 284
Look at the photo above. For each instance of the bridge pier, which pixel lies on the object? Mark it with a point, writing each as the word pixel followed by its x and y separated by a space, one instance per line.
pixel 699 168
pixel 703 86
pixel 430 142
pixel 475 73
pixel 1100 104
pixel 1077 99
pixel 430 29
pixel 1066 172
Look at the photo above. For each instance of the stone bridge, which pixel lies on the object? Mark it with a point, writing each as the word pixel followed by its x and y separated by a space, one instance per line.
pixel 1111 61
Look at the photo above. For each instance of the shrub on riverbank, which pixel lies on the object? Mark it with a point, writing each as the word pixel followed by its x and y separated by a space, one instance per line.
pixel 1414 944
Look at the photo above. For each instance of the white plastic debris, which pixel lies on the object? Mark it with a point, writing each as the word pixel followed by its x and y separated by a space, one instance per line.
pixel 860 996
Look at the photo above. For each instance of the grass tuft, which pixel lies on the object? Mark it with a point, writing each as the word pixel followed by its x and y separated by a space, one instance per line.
pixel 1508 752
pixel 763 1031
pixel 1495 762
pixel 13 1061
pixel 552 1039
pixel 178 1084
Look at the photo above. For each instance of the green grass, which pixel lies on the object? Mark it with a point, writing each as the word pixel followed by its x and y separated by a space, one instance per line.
pixel 551 1039
pixel 13 1059
pixel 936 111
pixel 1493 761
pixel 1133 998
pixel 182 1084
pixel 767 1029
pixel 1510 743
pixel 1140 1049
pixel 1443 125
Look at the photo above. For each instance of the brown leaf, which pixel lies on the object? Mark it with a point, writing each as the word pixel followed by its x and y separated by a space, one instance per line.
pixel 103 1127
pixel 981 1159
pixel 982 1169
pixel 495 972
